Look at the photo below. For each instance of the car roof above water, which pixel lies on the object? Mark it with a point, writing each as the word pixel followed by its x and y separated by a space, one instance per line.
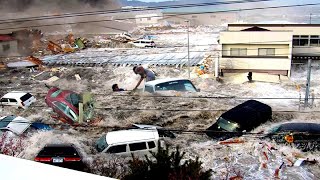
pixel 14 94
pixel 132 135
pixel 158 81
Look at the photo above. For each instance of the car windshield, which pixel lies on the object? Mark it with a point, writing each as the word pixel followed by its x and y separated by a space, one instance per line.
pixel 58 151
pixel 227 125
pixel 101 144
pixel 5 121
pixel 26 97
pixel 74 99
pixel 56 93
pixel 179 85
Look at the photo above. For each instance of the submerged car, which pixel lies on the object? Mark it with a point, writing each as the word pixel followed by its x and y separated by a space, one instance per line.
pixel 66 104
pixel 62 155
pixel 142 43
pixel 305 136
pixel 242 118
pixel 170 84
pixel 133 141
pixel 17 99
pixel 15 125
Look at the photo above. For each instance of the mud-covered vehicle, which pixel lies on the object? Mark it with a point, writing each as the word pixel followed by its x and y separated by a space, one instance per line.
pixel 304 136
pixel 242 118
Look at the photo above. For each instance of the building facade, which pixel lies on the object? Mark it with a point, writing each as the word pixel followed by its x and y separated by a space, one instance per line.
pixel 148 19
pixel 267 48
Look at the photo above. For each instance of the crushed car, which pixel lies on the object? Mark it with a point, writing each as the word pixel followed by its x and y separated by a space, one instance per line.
pixel 304 136
pixel 170 84
pixel 62 155
pixel 14 125
pixel 70 107
pixel 240 119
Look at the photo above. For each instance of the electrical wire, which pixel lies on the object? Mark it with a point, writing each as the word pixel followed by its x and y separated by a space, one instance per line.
pixel 121 19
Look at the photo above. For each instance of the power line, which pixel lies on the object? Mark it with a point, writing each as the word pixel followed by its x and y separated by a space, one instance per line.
pixel 66 15
pixel 105 20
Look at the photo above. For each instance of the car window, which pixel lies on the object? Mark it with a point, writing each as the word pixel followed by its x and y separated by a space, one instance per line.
pixel 26 97
pixel 179 85
pixel 149 89
pixel 73 99
pixel 101 143
pixel 72 114
pixel 12 100
pixel 151 144
pixel 60 105
pixel 137 146
pixel 56 93
pixel 4 100
pixel 58 151
pixel 117 149
pixel 5 121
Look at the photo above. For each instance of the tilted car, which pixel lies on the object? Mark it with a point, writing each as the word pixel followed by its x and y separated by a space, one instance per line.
pixel 305 136
pixel 62 155
pixel 15 125
pixel 18 99
pixel 66 104
pixel 170 84
pixel 242 118
pixel 142 43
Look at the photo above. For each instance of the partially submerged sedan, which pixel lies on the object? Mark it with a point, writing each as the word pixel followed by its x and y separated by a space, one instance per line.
pixel 170 84
pixel 66 104
pixel 305 136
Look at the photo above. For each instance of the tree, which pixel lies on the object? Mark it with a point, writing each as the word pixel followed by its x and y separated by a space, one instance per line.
pixel 165 165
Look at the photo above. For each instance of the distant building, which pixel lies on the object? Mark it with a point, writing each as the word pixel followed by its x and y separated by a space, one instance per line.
pixel 267 48
pixel 8 45
pixel 148 19
pixel 197 19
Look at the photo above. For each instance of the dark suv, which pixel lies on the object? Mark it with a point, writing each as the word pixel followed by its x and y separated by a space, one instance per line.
pixel 242 118
pixel 62 155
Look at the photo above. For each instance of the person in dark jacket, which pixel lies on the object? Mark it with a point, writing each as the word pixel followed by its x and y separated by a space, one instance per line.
pixel 116 88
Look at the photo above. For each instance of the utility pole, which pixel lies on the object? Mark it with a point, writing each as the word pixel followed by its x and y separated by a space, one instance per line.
pixel 306 98
pixel 310 18
pixel 188 22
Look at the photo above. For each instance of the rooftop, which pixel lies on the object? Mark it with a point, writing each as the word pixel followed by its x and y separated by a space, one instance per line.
pixel 274 25
pixel 132 135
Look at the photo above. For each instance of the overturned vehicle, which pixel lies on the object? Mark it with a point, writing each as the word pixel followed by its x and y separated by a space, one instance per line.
pixel 70 107
pixel 240 119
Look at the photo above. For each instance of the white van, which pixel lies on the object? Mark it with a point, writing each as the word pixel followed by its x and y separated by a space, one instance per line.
pixel 18 99
pixel 125 142
pixel 143 43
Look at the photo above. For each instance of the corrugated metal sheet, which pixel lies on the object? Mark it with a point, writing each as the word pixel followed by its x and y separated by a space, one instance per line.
pixel 163 59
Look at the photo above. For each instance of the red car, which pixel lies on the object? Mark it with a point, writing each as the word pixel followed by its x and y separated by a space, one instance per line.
pixel 65 103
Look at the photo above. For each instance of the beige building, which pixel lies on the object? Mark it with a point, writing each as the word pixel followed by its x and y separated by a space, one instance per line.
pixel 148 19
pixel 200 18
pixel 267 48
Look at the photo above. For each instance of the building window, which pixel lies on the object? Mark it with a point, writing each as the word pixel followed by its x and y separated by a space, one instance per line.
pixel 149 18
pixel 238 51
pixel 314 40
pixel 6 47
pixel 266 51
pixel 193 16
pixel 301 40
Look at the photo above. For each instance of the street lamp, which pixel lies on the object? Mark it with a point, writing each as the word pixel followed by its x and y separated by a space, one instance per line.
pixel 188 23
